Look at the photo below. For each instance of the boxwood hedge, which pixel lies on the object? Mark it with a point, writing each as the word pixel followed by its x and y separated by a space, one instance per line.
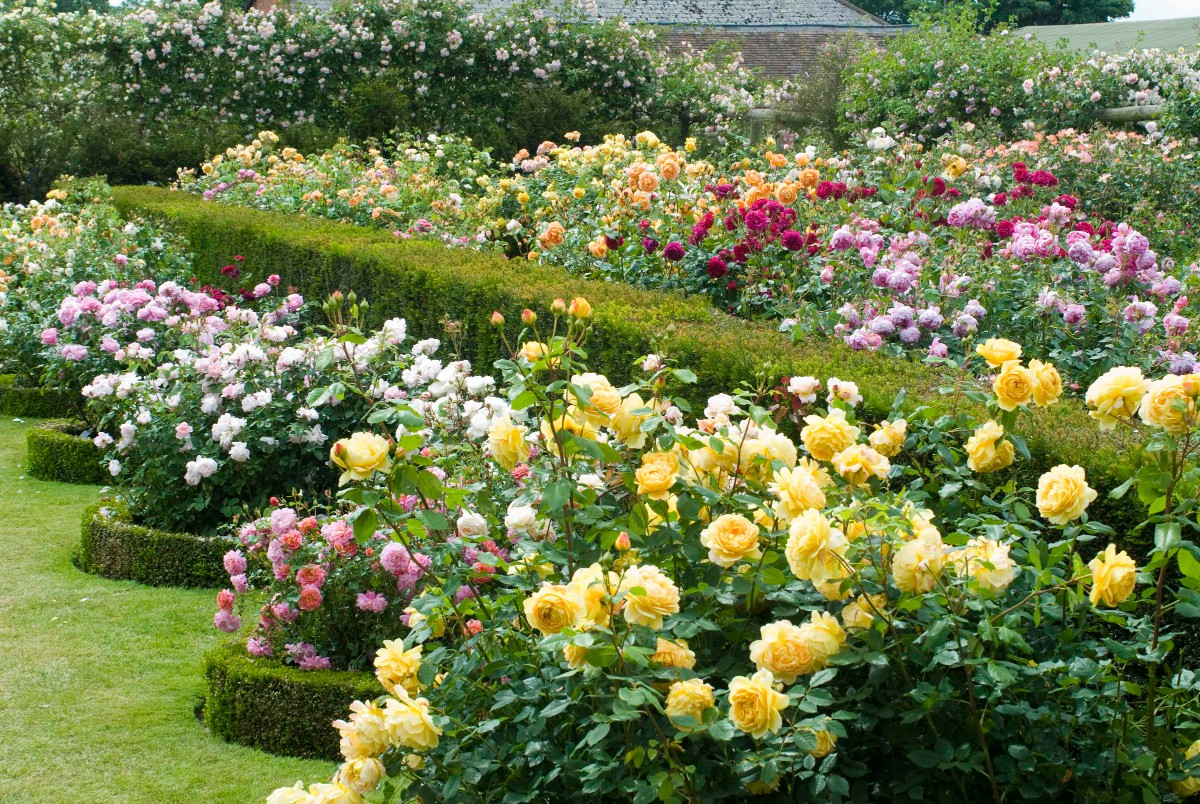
pixel 112 546
pixel 425 282
pixel 57 450
pixel 32 403
pixel 279 709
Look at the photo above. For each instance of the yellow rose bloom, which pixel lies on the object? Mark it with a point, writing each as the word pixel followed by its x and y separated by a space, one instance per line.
pixel 555 607
pixel 777 446
pixel 812 544
pixel 289 795
pixel 826 742
pixel 860 613
pixel 785 651
pixel 507 442
pixel 361 455
pixel 1191 785
pixel 627 425
pixel 888 438
pixel 661 596
pixel 365 734
pixel 986 562
pixel 576 656
pixel 798 489
pixel 673 654
pixel 654 480
pixel 595 588
pixel 1048 388
pixel 361 775
pixel 533 351
pixel 917 564
pixel 731 538
pixel 1063 494
pixel 858 463
pixel 1114 576
pixel 824 635
pixel 998 351
pixel 333 793
pixel 396 667
pixel 754 705
pixel 604 401
pixel 691 698
pixel 1014 385
pixel 1115 395
pixel 409 724
pixel 825 436
pixel 1167 404
pixel 987 450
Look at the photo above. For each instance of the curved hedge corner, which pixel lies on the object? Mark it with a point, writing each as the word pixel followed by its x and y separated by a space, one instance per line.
pixel 114 547
pixel 32 403
pixel 424 282
pixel 279 709
pixel 56 450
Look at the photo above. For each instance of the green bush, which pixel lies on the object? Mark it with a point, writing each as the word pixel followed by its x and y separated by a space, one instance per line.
pixel 279 709
pixel 57 450
pixel 114 547
pixel 425 282
pixel 31 403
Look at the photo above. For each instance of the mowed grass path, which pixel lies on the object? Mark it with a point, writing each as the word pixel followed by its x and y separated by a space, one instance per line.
pixel 99 679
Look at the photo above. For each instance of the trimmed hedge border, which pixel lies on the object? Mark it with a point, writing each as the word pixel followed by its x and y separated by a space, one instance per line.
pixel 281 710
pixel 112 546
pixel 424 282
pixel 32 403
pixel 56 450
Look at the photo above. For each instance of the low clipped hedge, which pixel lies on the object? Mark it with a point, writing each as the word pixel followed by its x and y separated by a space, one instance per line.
pixel 57 450
pixel 279 709
pixel 425 282
pixel 113 546
pixel 32 403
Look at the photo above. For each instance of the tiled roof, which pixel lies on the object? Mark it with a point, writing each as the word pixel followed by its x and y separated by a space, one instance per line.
pixel 779 52
pixel 1115 37
pixel 724 12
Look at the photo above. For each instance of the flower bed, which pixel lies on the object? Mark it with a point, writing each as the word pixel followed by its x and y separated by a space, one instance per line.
pixel 114 547
pixel 32 403
pixel 278 709
pixel 426 282
pixel 58 450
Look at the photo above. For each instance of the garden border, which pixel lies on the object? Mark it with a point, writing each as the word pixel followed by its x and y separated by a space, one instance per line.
pixel 55 450
pixel 112 546
pixel 32 403
pixel 425 282
pixel 278 709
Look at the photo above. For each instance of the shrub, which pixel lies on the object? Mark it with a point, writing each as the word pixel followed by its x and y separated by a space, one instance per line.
pixel 278 709
pixel 33 403
pixel 59 450
pixel 114 547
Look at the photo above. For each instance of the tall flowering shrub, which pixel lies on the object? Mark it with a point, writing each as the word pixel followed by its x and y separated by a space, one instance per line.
pixel 697 607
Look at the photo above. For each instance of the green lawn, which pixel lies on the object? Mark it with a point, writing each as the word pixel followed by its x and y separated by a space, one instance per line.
pixel 99 679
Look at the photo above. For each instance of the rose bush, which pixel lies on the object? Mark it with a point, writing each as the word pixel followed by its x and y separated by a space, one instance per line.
pixel 703 608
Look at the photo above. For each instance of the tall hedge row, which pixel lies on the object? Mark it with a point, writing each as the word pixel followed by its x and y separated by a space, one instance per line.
pixel 425 282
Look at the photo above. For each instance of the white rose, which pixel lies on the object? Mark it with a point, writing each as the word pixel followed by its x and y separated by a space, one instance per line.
pixel 471 524
pixel 520 518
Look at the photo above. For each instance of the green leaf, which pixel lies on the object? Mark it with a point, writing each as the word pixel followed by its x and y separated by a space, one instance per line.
pixel 923 758
pixel 1167 536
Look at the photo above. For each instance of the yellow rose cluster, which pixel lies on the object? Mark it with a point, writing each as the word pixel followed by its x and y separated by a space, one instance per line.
pixel 1168 403
pixel 1014 384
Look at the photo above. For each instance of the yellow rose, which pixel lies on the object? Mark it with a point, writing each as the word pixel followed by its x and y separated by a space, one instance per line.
pixel 333 793
pixel 1191 785
pixel 361 775
pixel 823 437
pixel 554 607
pixel 917 564
pixel 824 634
pixel 598 248
pixel 826 742
pixel 1063 494
pixel 360 455
pixel 660 597
pixel 888 438
pixel 576 656
pixel 289 795
pixel 365 734
pixel 1167 404
pixel 654 480
pixel 987 451
pixel 552 236
pixel 691 698
pixel 1014 385
pixel 777 446
pixel 507 442
pixel 754 705
pixel 396 667
pixel 731 538
pixel 579 308
pixel 858 463
pixel 533 351
pixel 604 402
pixel 409 724
pixel 986 562
pixel 1115 395
pixel 673 654
pixel 785 651
pixel 860 613
pixel 1113 577
pixel 812 545
pixel 998 351
pixel 1048 388
pixel 799 489
pixel 595 588
pixel 627 425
